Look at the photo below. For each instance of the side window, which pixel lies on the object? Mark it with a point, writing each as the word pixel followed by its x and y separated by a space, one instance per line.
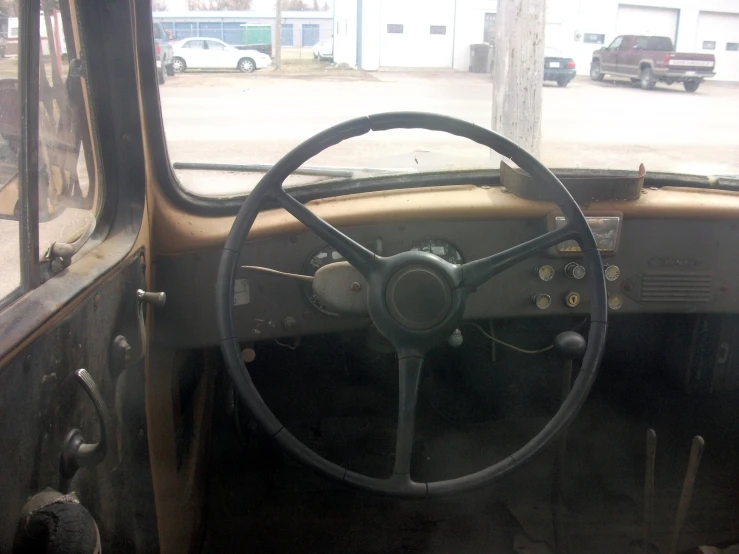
pixel 641 43
pixel 616 43
pixel 195 44
pixel 213 45
pixel 49 195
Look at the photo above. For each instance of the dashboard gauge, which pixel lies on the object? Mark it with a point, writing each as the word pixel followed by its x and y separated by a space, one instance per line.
pixel 615 301
pixel 441 248
pixel 321 257
pixel 606 230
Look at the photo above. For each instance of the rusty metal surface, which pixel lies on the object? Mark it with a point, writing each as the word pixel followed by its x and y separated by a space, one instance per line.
pixel 40 404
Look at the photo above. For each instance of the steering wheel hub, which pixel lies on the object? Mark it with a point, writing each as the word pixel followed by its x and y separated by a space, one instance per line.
pixel 418 297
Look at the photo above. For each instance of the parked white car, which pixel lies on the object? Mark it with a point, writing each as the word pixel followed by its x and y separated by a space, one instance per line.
pixel 323 50
pixel 211 53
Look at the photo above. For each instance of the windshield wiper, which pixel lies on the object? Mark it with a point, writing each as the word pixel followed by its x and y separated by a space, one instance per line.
pixel 303 170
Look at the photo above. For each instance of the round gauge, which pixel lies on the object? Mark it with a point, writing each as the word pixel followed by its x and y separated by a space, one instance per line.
pixel 321 257
pixel 545 272
pixel 441 248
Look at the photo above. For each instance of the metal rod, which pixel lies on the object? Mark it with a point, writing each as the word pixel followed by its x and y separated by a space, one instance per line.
pixel 558 507
pixel 270 271
pixel 305 170
pixel 649 488
pixel 696 453
pixel 28 89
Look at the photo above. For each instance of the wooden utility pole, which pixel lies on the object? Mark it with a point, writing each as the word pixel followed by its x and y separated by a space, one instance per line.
pixel 518 69
pixel 277 53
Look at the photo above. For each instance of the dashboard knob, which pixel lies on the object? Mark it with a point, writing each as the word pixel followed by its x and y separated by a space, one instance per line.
pixel 545 272
pixel 612 272
pixel 574 270
pixel 542 301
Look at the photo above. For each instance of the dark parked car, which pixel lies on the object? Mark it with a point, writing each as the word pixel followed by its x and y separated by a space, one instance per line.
pixel 164 53
pixel 648 60
pixel 558 68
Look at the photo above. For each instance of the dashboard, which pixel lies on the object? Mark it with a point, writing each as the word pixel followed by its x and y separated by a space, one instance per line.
pixel 652 265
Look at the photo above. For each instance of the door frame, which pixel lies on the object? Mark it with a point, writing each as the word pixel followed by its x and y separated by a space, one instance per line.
pixel 120 174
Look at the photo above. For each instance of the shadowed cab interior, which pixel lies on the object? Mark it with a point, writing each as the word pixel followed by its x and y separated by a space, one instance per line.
pixel 315 308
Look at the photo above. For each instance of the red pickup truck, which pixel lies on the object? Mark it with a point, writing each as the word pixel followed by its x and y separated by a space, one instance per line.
pixel 648 60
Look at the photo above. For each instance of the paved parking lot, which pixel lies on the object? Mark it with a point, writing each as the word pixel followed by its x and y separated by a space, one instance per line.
pixel 231 117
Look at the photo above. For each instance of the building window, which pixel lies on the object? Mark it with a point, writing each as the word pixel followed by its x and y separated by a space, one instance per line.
pixel 594 38
pixel 488 32
pixel 394 28
pixel 438 29
pixel 732 46
pixel 709 45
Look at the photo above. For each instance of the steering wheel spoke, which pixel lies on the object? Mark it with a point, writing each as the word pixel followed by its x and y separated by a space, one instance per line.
pixel 354 253
pixel 480 271
pixel 409 377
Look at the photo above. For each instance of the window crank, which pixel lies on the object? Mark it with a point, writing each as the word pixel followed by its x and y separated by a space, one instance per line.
pixel 76 453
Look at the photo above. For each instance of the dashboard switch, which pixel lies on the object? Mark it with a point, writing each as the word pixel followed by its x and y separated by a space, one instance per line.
pixel 574 270
pixel 572 299
pixel 542 301
pixel 545 272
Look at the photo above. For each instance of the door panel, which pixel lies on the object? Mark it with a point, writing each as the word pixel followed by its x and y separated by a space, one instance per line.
pixel 609 57
pixel 218 56
pixel 40 403
pixel 195 54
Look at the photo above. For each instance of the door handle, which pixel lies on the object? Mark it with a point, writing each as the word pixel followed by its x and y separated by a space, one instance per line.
pixel 76 453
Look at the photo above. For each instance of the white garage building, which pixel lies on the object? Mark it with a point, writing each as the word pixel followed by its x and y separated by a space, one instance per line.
pixel 371 34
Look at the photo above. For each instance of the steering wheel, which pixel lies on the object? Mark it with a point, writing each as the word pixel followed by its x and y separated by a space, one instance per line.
pixel 415 300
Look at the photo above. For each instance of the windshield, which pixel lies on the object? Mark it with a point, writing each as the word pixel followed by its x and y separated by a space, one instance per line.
pixel 600 107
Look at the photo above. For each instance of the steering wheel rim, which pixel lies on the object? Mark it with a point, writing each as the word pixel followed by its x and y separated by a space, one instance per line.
pixel 459 282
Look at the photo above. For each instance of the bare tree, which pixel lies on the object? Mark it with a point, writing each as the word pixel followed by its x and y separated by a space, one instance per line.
pixel 295 5
pixel 325 7
pixel 159 6
pixel 219 5
pixel 315 5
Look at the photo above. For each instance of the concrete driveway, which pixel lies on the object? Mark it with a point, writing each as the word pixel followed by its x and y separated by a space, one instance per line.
pixel 228 117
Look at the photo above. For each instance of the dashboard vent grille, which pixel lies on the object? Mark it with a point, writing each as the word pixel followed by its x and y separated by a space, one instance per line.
pixel 676 287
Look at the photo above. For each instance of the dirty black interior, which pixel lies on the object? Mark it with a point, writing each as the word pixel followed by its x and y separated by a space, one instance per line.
pixel 478 403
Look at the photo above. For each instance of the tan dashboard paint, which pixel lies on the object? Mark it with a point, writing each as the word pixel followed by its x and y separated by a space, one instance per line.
pixel 177 232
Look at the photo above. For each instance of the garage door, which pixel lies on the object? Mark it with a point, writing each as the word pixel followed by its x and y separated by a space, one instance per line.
pixel 646 20
pixel 416 33
pixel 718 34
pixel 310 34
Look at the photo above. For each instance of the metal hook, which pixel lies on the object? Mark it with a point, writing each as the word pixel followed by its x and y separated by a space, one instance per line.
pixel 76 453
